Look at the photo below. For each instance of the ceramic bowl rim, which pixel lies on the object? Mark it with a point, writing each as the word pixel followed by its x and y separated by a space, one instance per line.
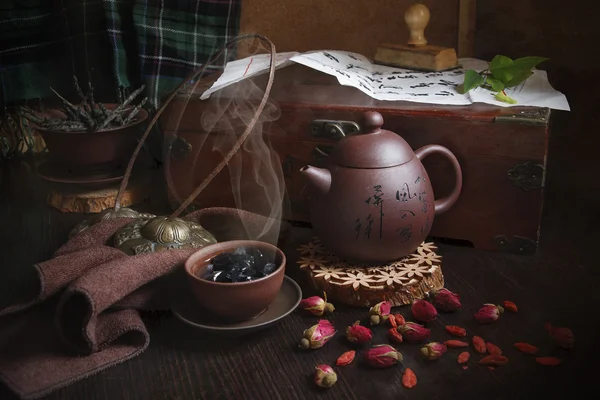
pixel 230 246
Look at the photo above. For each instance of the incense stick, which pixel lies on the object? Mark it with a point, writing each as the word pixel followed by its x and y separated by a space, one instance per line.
pixel 194 75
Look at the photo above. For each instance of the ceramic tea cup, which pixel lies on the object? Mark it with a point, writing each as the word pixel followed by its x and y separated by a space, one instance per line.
pixel 234 301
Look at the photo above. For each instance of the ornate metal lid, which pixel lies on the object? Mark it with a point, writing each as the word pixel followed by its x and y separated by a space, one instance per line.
pixel 161 233
pixel 109 213
pixel 375 148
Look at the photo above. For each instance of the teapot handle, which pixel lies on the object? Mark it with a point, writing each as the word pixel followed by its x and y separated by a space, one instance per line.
pixel 444 203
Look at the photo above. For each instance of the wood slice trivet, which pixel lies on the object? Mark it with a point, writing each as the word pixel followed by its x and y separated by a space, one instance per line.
pixel 96 200
pixel 399 282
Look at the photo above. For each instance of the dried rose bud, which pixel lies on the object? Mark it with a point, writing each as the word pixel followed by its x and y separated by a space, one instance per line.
pixel 414 333
pixel 380 312
pixel 488 313
pixel 382 356
pixel 316 305
pixel 446 300
pixel 317 335
pixel 358 333
pixel 325 376
pixel 423 311
pixel 463 357
pixel 563 337
pixel 433 350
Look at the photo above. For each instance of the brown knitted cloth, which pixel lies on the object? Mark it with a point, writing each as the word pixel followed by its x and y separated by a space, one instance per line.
pixel 85 316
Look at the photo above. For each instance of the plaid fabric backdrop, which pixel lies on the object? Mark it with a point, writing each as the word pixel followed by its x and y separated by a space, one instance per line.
pixel 112 43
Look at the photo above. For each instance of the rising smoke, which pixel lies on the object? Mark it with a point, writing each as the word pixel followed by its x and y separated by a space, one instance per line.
pixel 254 175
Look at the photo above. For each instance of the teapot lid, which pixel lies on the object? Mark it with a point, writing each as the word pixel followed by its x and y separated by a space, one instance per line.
pixel 374 148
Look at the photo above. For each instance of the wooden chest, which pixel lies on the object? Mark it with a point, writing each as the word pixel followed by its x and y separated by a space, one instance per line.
pixel 502 152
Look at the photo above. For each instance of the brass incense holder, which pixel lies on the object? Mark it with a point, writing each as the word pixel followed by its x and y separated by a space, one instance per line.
pixel 109 213
pixel 149 233
pixel 161 233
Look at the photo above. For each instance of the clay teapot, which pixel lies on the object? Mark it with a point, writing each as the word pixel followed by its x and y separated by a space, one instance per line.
pixel 373 203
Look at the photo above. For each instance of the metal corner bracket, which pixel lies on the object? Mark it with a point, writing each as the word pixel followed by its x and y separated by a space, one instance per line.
pixel 535 116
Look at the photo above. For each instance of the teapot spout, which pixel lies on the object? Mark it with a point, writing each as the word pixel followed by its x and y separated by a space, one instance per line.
pixel 318 178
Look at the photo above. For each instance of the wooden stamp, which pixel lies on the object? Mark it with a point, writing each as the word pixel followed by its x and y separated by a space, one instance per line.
pixel 417 54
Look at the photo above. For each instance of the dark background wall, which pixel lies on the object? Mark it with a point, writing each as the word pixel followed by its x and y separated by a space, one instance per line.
pixel 351 25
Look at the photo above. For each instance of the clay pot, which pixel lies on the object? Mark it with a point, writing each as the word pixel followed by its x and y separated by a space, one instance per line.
pixel 99 153
pixel 240 301
pixel 374 203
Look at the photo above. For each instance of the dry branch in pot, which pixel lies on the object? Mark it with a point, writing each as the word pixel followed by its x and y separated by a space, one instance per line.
pixel 89 115
pixel 16 135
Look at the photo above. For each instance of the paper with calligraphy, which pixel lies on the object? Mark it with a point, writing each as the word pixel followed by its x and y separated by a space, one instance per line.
pixel 393 84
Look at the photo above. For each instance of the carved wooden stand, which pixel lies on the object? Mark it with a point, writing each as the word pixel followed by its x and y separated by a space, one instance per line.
pixel 399 282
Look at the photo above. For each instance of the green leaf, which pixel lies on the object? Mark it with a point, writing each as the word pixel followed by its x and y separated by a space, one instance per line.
pixel 502 68
pixel 514 72
pixel 500 61
pixel 529 62
pixel 496 84
pixel 472 80
pixel 501 96
pixel 519 78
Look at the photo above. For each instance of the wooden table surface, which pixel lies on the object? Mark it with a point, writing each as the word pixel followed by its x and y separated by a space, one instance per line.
pixel 559 284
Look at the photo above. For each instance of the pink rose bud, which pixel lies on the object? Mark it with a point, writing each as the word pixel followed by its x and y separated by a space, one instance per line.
pixel 488 313
pixel 423 311
pixel 446 300
pixel 380 312
pixel 433 350
pixel 317 335
pixel 358 334
pixel 316 305
pixel 325 376
pixel 382 356
pixel 563 337
pixel 414 333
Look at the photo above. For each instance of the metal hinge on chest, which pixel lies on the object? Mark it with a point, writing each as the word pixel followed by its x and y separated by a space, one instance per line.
pixel 527 176
pixel 536 116
pixel 332 129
